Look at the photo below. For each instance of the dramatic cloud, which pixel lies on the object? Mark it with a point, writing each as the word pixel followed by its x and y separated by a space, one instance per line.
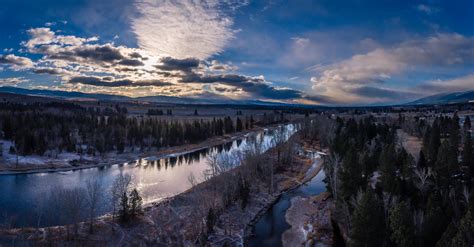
pixel 44 36
pixel 458 84
pixel 131 62
pixel 186 64
pixel 12 81
pixel 71 56
pixel 110 82
pixel 16 62
pixel 215 65
pixel 85 64
pixel 349 79
pixel 75 49
pixel 184 28
pixel 254 86
pixel 383 94
pixel 51 71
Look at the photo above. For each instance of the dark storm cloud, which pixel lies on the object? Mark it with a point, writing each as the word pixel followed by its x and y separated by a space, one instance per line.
pixel 96 54
pixel 137 55
pixel 51 71
pixel 230 79
pixel 131 62
pixel 185 65
pixel 110 82
pixel 322 99
pixel 253 85
pixel 225 89
pixel 106 53
pixel 389 94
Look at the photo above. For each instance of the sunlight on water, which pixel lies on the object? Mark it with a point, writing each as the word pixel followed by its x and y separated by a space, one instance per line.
pixel 23 196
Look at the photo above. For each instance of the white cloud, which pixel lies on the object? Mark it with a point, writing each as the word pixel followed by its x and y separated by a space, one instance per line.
pixel 16 62
pixel 85 64
pixel 458 84
pixel 45 36
pixel 12 81
pixel 343 80
pixel 184 28
pixel 217 66
pixel 430 10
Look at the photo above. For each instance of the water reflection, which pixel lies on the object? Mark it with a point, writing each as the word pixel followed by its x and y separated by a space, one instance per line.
pixel 25 197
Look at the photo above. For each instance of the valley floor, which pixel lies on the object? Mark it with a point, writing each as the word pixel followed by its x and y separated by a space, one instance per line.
pixel 180 220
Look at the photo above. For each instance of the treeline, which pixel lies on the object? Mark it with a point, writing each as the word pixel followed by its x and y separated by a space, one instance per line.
pixel 386 197
pixel 51 129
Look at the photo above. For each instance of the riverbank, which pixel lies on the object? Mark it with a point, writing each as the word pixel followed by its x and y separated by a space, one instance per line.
pixel 310 220
pixel 43 164
pixel 179 220
pixel 289 180
pixel 268 227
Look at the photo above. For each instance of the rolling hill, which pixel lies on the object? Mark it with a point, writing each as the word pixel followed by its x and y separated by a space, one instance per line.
pixel 446 98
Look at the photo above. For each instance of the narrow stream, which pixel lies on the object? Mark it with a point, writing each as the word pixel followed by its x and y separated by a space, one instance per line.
pixel 271 226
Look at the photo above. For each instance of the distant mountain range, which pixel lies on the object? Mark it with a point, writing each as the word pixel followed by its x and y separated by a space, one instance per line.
pixel 446 98
pixel 154 99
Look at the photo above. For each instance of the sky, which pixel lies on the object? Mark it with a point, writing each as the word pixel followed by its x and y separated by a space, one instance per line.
pixel 327 52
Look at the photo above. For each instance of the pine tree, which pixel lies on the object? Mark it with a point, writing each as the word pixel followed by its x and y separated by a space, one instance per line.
pixel 464 236
pixel 350 175
pixel 124 208
pixel 401 225
pixel 434 143
pixel 243 192
pixel 367 222
pixel 467 154
pixel 446 164
pixel 389 169
pixel 239 125
pixel 211 219
pixel 421 160
pixel 135 203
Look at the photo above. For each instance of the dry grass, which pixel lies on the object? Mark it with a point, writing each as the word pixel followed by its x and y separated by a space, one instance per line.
pixel 411 144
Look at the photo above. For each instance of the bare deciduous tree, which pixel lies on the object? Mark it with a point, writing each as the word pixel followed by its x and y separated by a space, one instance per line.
pixel 422 176
pixel 94 197
pixel 192 180
pixel 120 189
pixel 69 205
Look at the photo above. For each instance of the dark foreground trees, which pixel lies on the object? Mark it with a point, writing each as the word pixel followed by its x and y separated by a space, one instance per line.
pixel 386 197
pixel 367 221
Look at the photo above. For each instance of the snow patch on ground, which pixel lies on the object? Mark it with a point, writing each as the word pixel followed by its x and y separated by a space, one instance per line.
pixel 10 159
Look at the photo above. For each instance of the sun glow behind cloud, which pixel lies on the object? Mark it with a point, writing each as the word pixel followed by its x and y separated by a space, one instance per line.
pixel 184 28
pixel 88 65
pixel 301 51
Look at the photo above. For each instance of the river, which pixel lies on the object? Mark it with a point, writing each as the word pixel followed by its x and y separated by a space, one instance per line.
pixel 270 227
pixel 25 198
